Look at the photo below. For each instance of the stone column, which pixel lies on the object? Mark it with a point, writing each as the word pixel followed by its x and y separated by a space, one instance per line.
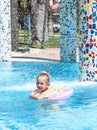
pixel 42 18
pixel 14 25
pixel 88 48
pixel 50 25
pixel 5 30
pixel 68 30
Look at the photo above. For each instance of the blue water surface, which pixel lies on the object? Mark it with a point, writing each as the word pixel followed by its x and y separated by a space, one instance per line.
pixel 19 73
pixel 19 112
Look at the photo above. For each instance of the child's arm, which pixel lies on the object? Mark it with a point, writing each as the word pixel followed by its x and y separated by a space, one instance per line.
pixel 38 96
pixel 34 94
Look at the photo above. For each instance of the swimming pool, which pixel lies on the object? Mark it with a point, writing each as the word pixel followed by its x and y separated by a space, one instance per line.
pixel 19 112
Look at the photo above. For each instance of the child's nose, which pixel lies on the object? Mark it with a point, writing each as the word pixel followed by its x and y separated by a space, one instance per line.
pixel 39 84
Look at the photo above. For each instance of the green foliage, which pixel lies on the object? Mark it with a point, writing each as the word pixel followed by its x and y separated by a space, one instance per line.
pixel 52 42
pixel 23 37
pixel 24 32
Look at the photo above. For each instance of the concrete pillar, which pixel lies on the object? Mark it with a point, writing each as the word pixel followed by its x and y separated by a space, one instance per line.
pixel 88 47
pixel 14 25
pixel 50 25
pixel 68 30
pixel 41 16
pixel 5 30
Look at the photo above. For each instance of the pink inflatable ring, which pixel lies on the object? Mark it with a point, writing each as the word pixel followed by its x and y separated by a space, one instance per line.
pixel 66 93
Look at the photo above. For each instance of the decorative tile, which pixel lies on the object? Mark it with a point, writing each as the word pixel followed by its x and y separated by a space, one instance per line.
pixel 5 30
pixel 68 30
pixel 88 47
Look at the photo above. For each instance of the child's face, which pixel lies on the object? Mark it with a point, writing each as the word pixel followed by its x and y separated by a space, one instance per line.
pixel 42 84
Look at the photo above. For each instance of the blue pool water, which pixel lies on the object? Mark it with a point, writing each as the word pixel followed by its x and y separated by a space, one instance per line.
pixel 19 112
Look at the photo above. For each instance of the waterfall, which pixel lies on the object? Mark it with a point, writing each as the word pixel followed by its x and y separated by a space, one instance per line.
pixel 5 30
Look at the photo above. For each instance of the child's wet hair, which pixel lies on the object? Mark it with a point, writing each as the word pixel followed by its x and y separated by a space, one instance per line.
pixel 44 73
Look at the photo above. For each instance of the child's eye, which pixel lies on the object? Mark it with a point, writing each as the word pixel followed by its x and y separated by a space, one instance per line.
pixel 40 83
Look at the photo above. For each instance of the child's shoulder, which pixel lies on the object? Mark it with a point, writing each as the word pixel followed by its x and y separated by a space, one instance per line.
pixel 36 91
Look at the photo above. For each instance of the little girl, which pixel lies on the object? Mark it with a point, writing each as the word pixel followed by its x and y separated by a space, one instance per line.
pixel 43 90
